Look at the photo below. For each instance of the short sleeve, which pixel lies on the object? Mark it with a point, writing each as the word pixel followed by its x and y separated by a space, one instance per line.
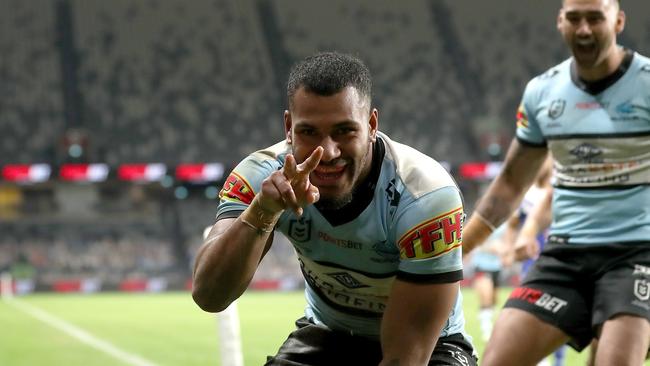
pixel 429 232
pixel 528 130
pixel 242 184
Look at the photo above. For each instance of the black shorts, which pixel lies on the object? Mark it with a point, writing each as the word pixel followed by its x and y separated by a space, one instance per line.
pixel 317 345
pixel 494 276
pixel 576 288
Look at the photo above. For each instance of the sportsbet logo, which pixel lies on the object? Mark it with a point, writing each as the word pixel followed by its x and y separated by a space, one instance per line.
pixel 539 298
pixel 237 188
pixel 433 237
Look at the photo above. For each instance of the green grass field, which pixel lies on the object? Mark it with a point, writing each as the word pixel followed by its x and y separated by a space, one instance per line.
pixel 157 329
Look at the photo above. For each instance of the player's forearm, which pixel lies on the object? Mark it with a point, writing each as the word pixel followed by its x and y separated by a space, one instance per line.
pixel 227 262
pixel 494 208
pixel 413 321
pixel 504 194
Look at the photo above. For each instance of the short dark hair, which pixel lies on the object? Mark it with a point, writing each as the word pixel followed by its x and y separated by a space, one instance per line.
pixel 328 73
pixel 618 2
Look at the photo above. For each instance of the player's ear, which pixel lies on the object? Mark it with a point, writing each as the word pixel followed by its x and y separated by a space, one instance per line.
pixel 373 124
pixel 287 126
pixel 620 21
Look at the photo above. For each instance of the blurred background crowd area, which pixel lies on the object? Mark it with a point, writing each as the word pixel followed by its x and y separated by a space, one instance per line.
pixel 171 81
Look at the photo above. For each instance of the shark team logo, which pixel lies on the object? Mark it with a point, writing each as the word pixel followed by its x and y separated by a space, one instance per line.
pixel 642 290
pixel 587 153
pixel 556 108
pixel 393 196
pixel 300 230
pixel 549 74
pixel 347 280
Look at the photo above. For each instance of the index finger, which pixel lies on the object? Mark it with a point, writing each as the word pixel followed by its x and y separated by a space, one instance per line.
pixel 311 162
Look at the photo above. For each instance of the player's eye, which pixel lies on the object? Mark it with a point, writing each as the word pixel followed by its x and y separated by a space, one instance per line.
pixel 594 19
pixel 573 19
pixel 306 131
pixel 345 130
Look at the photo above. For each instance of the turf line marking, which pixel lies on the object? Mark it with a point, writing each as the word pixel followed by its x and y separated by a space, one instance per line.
pixel 79 334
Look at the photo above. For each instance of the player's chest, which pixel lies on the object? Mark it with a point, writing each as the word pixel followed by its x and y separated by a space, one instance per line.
pixel 617 112
pixel 361 243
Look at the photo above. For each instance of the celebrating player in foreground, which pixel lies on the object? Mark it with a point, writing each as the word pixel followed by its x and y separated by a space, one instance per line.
pixel 376 226
pixel 593 277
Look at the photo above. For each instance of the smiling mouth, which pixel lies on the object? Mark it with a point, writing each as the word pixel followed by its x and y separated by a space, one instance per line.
pixel 329 173
pixel 585 46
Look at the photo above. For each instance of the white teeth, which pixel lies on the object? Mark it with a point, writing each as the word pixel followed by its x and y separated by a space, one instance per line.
pixel 334 169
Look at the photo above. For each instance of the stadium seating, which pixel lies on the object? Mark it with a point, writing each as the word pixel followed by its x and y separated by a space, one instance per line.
pixel 175 81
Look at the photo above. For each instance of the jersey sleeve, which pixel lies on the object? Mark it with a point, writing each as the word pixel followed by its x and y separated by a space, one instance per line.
pixel 243 183
pixel 528 130
pixel 429 237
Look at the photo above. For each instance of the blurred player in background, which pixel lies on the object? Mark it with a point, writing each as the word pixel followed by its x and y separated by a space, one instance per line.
pixel 376 226
pixel 593 277
pixel 486 262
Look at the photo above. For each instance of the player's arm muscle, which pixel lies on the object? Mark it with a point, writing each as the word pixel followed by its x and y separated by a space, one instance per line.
pixel 413 320
pixel 226 262
pixel 505 192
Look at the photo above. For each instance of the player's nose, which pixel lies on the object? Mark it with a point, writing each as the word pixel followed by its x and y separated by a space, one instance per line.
pixel 331 149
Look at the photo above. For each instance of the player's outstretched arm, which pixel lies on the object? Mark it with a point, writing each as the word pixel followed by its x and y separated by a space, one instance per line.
pixel 227 260
pixel 504 194
pixel 413 320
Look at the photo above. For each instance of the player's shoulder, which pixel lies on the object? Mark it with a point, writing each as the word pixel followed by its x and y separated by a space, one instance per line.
pixel 641 66
pixel 254 168
pixel 272 157
pixel 550 76
pixel 419 172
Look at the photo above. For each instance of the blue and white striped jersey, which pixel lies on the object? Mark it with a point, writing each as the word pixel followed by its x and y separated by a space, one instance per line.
pixel 409 228
pixel 599 135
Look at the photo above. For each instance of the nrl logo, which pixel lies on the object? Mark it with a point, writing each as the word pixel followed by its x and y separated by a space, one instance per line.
pixel 556 108
pixel 642 290
pixel 300 230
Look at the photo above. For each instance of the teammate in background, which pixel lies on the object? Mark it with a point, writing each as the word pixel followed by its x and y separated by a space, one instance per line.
pixel 528 244
pixel 527 231
pixel 530 239
pixel 486 262
pixel 376 226
pixel 593 277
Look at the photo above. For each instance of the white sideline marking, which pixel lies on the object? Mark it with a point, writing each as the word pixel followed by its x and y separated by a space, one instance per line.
pixel 80 334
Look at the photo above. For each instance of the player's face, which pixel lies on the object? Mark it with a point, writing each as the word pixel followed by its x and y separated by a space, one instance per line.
pixel 589 27
pixel 346 128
